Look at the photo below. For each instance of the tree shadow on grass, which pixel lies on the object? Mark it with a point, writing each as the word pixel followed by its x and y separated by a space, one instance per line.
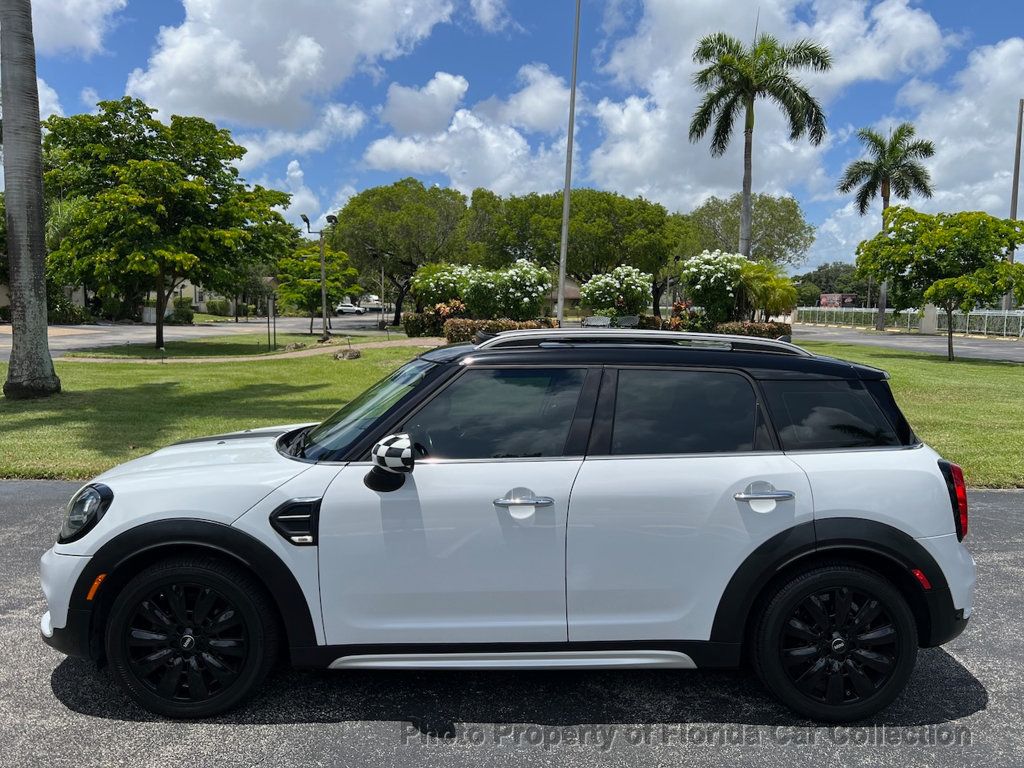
pixel 121 422
pixel 940 690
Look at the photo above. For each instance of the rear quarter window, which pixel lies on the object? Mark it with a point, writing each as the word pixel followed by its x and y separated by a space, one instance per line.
pixel 827 414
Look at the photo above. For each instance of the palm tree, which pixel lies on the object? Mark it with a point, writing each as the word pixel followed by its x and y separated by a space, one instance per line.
pixel 893 165
pixel 735 76
pixel 30 373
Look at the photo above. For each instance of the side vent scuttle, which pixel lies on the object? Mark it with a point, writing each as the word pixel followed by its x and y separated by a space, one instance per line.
pixel 297 520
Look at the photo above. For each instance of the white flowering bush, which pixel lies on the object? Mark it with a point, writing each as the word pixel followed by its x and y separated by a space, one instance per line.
pixel 516 293
pixel 712 281
pixel 440 283
pixel 623 291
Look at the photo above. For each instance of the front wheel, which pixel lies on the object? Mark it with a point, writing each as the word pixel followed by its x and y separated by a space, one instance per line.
pixel 191 637
pixel 836 643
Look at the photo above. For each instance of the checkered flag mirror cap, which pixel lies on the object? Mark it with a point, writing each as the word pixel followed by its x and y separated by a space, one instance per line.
pixel 394 454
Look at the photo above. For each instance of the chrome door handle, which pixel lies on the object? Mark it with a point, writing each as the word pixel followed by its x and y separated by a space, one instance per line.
pixel 765 496
pixel 526 501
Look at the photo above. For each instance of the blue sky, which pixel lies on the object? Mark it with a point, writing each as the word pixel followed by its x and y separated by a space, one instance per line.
pixel 332 96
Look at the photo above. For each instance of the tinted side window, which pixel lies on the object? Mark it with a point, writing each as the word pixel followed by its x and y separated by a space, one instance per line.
pixel 672 411
pixel 500 413
pixel 813 415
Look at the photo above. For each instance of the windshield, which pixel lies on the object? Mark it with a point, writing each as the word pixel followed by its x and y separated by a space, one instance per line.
pixel 347 424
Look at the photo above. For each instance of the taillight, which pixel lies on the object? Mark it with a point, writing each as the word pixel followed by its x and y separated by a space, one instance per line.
pixel 957 495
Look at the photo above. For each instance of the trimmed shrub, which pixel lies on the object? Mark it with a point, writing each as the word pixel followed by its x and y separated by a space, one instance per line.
pixel 182 313
pixel 422 324
pixel 761 330
pixel 650 323
pixel 712 280
pixel 461 329
pixel 219 307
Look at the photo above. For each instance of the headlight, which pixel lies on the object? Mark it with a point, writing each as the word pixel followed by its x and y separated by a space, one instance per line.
pixel 85 509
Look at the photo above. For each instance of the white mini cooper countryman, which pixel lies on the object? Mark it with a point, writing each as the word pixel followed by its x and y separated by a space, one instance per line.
pixel 585 499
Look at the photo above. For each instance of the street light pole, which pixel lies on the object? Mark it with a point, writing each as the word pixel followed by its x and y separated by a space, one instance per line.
pixel 1008 298
pixel 564 245
pixel 325 334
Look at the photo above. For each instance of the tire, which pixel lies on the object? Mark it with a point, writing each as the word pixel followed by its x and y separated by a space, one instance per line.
pixel 230 619
pixel 836 643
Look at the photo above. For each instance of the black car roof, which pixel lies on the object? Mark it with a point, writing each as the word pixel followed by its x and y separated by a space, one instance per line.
pixel 764 360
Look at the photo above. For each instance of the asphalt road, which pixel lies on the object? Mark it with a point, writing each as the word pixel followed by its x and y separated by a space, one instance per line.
pixel 1010 350
pixel 57 711
pixel 64 338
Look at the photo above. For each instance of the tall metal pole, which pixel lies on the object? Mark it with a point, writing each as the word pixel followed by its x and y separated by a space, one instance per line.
pixel 1008 298
pixel 323 289
pixel 564 247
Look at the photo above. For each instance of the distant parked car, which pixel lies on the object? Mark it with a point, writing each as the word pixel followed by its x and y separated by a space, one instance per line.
pixel 371 303
pixel 347 308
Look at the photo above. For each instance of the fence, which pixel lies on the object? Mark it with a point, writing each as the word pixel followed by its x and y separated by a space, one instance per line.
pixel 986 322
pixel 858 317
pixel 981 322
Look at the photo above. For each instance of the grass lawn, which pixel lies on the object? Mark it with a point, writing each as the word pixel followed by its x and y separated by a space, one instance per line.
pixel 108 414
pixel 254 343
pixel 970 411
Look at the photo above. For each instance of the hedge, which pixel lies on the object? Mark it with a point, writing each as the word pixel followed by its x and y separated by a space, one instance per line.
pixel 460 329
pixel 422 324
pixel 219 307
pixel 761 330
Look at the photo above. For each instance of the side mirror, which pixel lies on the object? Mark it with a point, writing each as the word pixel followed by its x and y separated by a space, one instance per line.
pixel 393 458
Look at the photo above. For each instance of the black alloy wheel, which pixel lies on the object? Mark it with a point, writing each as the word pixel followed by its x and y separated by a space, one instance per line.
pixel 839 646
pixel 186 642
pixel 836 643
pixel 191 636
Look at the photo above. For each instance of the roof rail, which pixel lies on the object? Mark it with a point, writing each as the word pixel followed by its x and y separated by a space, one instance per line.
pixel 620 336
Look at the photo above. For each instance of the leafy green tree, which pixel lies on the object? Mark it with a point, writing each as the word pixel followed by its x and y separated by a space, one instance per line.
pixel 734 76
pixel 605 230
pixel 179 212
pixel 779 233
pixel 892 166
pixel 808 294
pixel 30 372
pixel 299 278
pixel 954 260
pixel 399 228
pixel 835 277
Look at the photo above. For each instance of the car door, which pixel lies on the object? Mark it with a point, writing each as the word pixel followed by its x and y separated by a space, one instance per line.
pixel 682 481
pixel 471 547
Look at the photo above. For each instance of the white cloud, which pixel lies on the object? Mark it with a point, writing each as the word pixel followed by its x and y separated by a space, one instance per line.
pixel 473 152
pixel 492 15
pixel 260 62
pixel 336 121
pixel 645 147
pixel 89 97
pixel 542 104
pixel 49 101
pixel 972 122
pixel 78 25
pixel 424 110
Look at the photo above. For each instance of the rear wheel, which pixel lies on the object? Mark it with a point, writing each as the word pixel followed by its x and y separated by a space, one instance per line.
pixel 836 643
pixel 191 637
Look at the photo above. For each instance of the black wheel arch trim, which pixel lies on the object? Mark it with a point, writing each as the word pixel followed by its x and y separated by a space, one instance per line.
pixel 839 534
pixel 217 538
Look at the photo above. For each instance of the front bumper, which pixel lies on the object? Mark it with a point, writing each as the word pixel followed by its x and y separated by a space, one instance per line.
pixel 74 638
pixel 63 627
